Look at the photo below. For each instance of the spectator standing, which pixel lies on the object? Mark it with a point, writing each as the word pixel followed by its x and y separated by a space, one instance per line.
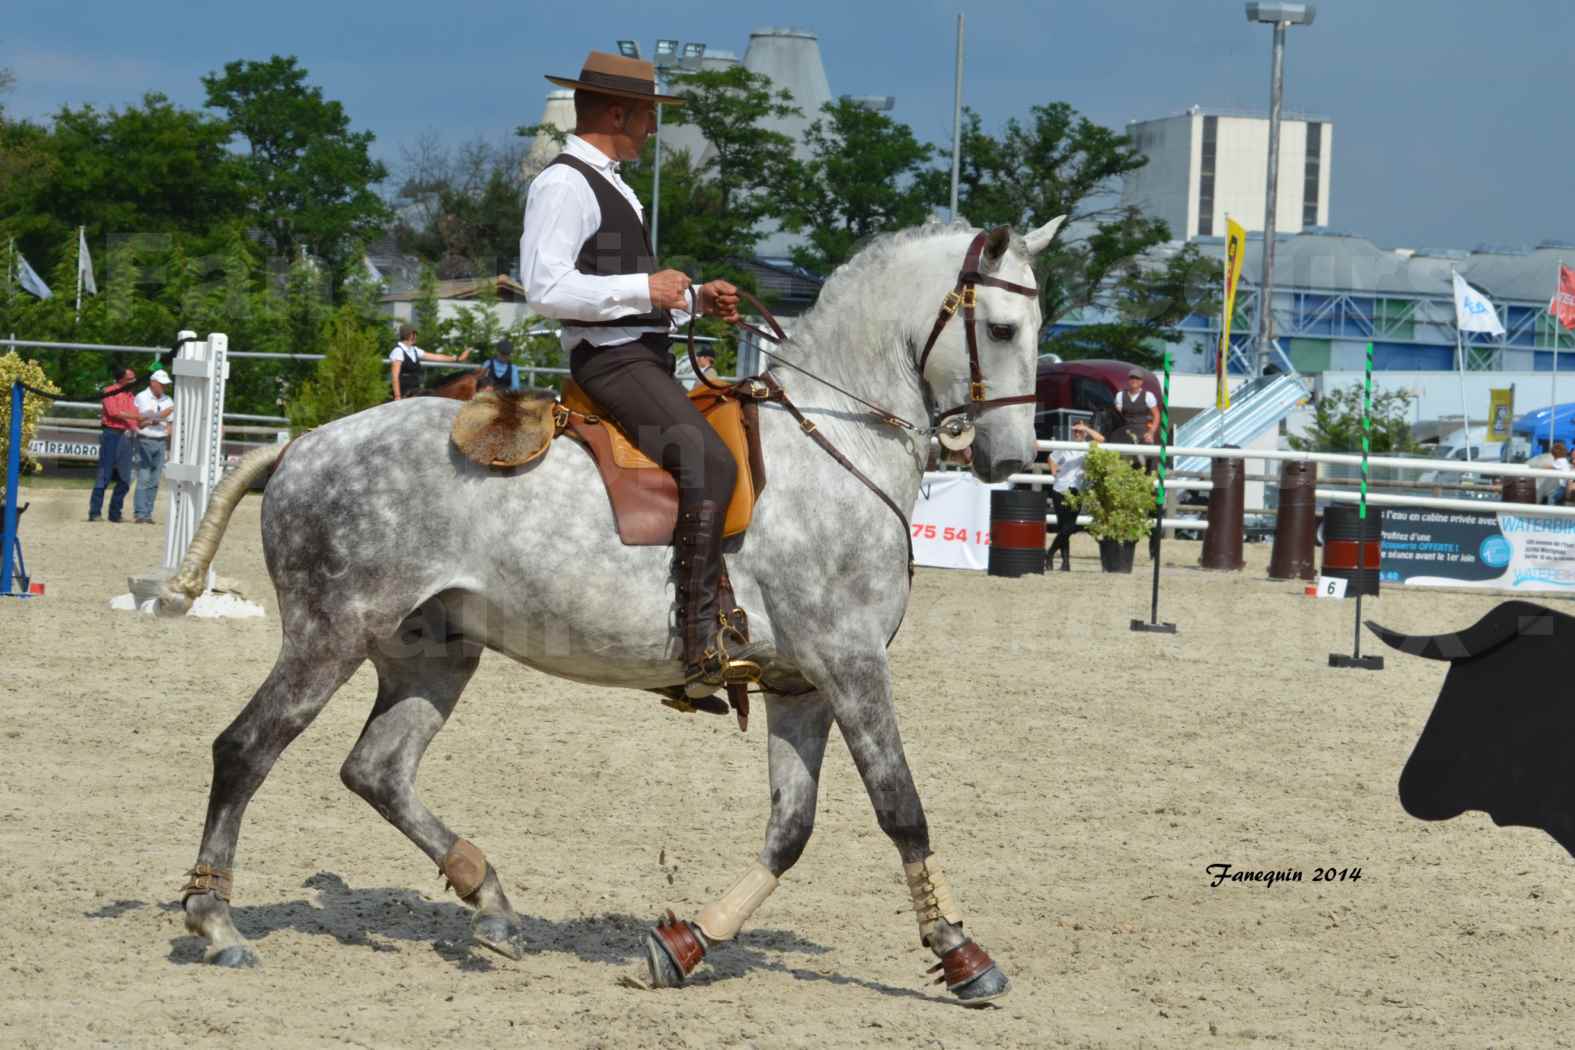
pixel 1067 469
pixel 500 373
pixel 1136 415
pixel 151 445
pixel 117 423
pixel 406 360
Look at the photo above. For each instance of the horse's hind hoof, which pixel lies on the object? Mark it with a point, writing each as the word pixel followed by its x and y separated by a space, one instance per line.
pixel 986 988
pixel 500 935
pixel 235 957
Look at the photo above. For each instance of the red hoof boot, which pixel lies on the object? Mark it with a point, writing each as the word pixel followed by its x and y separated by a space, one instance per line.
pixel 971 975
pixel 673 951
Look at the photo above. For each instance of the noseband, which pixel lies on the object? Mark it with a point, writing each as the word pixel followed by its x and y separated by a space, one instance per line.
pixel 966 296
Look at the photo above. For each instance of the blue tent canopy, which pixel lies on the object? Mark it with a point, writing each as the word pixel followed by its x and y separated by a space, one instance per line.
pixel 1533 426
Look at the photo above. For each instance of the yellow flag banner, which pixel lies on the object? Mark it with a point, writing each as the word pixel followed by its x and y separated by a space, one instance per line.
pixel 1235 248
pixel 1501 413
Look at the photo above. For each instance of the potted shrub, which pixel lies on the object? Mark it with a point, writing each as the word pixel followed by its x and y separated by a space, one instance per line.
pixel 1120 499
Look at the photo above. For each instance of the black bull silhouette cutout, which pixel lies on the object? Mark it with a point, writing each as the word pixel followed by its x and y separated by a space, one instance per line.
pixel 1501 738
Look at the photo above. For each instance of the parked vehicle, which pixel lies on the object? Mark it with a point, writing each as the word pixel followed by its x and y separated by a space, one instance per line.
pixel 1082 386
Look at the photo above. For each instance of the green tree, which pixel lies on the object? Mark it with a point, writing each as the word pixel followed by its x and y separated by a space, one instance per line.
pixel 424 310
pixel 348 379
pixel 861 179
pixel 311 177
pixel 745 173
pixel 467 206
pixel 153 168
pixel 1059 162
pixel 1337 423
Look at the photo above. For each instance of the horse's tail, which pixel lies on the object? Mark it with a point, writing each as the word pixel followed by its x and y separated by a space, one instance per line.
pixel 181 589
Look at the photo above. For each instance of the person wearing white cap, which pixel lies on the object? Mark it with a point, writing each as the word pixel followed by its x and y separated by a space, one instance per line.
pixel 154 409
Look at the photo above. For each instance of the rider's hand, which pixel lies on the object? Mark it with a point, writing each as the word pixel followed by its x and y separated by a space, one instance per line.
pixel 668 288
pixel 720 299
pixel 465 354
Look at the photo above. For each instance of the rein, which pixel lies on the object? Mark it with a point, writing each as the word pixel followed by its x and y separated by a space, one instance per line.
pixel 765 388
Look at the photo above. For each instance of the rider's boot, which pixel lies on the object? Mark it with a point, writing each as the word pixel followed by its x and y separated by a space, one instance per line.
pixel 716 646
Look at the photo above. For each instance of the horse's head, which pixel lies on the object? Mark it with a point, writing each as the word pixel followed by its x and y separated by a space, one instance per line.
pixel 978 362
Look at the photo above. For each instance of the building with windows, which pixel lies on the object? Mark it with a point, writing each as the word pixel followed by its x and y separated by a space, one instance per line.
pixel 1206 164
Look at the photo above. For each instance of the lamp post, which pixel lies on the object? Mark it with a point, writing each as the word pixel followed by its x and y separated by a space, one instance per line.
pixel 1281 16
pixel 668 57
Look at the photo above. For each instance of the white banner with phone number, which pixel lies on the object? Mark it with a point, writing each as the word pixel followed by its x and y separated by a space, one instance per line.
pixel 951 521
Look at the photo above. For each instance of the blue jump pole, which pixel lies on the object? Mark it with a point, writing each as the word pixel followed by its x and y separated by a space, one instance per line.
pixel 13 484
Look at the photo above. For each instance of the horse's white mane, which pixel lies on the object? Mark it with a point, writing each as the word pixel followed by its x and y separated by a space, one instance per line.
pixel 861 332
pixel 842 323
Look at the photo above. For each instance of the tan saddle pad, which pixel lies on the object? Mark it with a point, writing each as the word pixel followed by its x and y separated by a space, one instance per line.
pixel 644 496
pixel 503 428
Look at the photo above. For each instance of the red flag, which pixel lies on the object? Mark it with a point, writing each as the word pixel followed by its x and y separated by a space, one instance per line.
pixel 1563 304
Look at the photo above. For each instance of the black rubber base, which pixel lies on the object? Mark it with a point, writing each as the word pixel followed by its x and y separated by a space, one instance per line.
pixel 1153 628
pixel 1360 663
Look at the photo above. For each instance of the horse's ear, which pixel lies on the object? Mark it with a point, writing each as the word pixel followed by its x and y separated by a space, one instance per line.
pixel 996 244
pixel 1040 239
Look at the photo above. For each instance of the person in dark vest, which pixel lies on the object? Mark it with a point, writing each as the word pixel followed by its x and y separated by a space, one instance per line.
pixel 586 259
pixel 500 373
pixel 1136 415
pixel 405 361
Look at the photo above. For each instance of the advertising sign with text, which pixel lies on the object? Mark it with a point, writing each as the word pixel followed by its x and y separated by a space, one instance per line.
pixel 1441 548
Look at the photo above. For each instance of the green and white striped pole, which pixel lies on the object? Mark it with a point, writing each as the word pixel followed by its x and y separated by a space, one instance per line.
pixel 1361 512
pixel 1159 510
pixel 1356 659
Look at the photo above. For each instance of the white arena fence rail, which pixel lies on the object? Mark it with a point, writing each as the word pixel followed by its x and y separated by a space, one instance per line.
pixel 1488 469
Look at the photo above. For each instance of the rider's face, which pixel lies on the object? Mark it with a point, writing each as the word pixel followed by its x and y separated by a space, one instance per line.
pixel 639 121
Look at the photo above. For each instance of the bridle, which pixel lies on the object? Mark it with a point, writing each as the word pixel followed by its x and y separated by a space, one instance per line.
pixel 765 387
pixel 958 433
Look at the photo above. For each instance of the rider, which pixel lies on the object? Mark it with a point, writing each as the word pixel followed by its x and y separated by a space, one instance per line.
pixel 586 259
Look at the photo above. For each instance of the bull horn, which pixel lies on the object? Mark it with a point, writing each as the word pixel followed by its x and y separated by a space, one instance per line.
pixel 1507 621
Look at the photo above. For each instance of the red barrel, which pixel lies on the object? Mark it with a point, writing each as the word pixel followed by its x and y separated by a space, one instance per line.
pixel 1017 531
pixel 1352 547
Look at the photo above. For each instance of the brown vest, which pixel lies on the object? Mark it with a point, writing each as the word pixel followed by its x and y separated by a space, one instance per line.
pixel 620 245
pixel 1133 411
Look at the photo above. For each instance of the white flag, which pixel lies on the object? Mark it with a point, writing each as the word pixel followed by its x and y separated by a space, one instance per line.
pixel 1473 312
pixel 29 280
pixel 85 264
pixel 372 271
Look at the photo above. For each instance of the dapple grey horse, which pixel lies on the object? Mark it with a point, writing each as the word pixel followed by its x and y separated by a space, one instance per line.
pixel 385 544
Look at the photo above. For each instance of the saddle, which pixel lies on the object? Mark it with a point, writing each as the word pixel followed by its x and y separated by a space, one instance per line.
pixel 502 429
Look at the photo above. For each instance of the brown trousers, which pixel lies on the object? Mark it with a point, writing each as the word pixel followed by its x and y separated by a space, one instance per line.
pixel 641 397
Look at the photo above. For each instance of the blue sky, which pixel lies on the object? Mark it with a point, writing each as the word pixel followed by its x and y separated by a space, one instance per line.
pixel 1451 126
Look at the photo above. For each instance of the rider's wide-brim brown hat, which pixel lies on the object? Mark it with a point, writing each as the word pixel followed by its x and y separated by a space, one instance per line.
pixel 620 77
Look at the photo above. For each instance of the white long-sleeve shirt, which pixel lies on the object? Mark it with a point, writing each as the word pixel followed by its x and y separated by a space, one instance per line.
pixel 561 214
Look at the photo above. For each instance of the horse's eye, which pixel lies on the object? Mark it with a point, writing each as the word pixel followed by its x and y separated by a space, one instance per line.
pixel 1003 333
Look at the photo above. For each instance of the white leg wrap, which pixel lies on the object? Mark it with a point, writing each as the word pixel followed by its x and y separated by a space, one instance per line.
pixel 932 897
pixel 721 920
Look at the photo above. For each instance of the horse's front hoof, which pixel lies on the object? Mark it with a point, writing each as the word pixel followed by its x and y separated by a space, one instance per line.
pixel 987 987
pixel 235 957
pixel 664 972
pixel 672 952
pixel 500 934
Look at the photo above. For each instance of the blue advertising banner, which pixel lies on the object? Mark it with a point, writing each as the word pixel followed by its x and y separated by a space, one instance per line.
pixel 1442 548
